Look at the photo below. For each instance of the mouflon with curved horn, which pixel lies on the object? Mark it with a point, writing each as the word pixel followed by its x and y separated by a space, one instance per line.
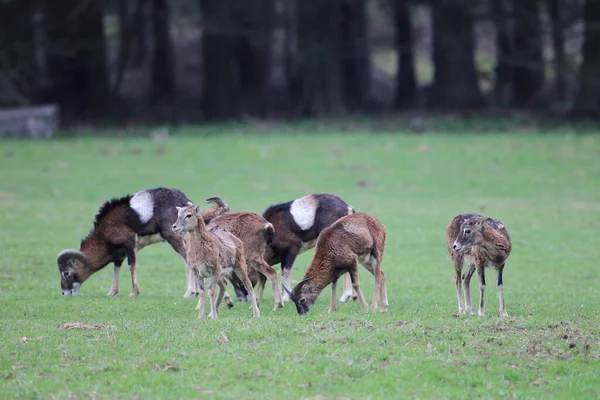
pixel 122 227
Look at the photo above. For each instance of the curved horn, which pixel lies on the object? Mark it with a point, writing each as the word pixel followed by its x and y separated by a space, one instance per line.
pixel 71 254
pixel 218 201
pixel 298 288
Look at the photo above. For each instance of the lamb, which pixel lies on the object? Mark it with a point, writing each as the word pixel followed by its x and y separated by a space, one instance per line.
pixel 256 233
pixel 211 253
pixel 355 238
pixel 122 227
pixel 482 242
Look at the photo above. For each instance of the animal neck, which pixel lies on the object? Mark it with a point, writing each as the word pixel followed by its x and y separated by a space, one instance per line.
pixel 319 280
pixel 494 243
pixel 199 232
pixel 95 251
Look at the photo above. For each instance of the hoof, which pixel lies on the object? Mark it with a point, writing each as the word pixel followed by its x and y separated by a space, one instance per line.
pixel 230 304
pixel 112 293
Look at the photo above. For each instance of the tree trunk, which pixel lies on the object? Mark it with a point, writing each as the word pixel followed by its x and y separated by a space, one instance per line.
pixel 455 79
pixel 139 30
pixel 17 53
pixel 558 43
pixel 317 84
pixel 77 55
pixel 254 20
pixel 587 103
pixel 163 64
pixel 528 57
pixel 504 52
pixel 406 82
pixel 220 85
pixel 355 62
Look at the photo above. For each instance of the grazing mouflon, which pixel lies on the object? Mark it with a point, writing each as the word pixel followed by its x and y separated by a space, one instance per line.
pixel 121 228
pixel 481 242
pixel 356 238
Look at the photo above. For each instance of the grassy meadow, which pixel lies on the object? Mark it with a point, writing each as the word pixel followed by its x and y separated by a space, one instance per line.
pixel 545 188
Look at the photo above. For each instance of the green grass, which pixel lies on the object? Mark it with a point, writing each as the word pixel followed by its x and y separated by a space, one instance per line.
pixel 545 188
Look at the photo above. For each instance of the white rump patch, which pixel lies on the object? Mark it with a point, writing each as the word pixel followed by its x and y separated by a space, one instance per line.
pixel 303 211
pixel 143 204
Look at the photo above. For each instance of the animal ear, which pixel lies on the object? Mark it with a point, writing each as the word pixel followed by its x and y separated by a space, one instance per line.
pixel 190 204
pixel 178 208
pixel 197 210
pixel 480 223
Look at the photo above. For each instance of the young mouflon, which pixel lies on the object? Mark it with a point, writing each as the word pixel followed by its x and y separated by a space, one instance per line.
pixel 483 243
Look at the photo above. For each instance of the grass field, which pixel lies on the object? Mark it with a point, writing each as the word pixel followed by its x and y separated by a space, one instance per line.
pixel 545 188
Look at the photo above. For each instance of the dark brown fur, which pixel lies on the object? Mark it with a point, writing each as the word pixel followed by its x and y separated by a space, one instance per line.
pixel 117 234
pixel 352 239
pixel 482 242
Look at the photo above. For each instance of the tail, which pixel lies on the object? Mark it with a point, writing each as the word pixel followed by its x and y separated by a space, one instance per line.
pixel 350 210
pixel 269 233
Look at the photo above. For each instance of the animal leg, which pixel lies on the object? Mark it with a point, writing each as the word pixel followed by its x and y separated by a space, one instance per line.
pixel 227 297
pixel 286 272
pixel 503 312
pixel 222 291
pixel 383 295
pixel 241 272
pixel 201 294
pixel 176 242
pixel 466 280
pixel 131 260
pixel 332 306
pixel 114 288
pixel 356 286
pixel 211 293
pixel 481 274
pixel 267 272
pixel 348 291
pixel 458 264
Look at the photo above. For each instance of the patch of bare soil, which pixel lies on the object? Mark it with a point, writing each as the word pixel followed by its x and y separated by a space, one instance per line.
pixel 80 325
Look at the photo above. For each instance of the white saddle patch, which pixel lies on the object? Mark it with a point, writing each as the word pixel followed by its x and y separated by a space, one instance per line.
pixel 143 204
pixel 303 211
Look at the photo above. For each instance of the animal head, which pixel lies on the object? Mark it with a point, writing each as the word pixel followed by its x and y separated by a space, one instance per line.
pixel 187 218
pixel 74 269
pixel 469 235
pixel 303 295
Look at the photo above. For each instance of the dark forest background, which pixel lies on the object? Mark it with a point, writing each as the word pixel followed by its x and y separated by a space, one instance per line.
pixel 191 60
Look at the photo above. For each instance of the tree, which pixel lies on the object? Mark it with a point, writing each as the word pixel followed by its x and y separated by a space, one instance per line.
pixel 455 79
pixel 317 84
pixel 354 53
pixel 220 85
pixel 504 53
pixel 17 53
pixel 163 63
pixel 76 55
pixel 254 20
pixel 528 66
pixel 558 44
pixel 406 83
pixel 587 102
